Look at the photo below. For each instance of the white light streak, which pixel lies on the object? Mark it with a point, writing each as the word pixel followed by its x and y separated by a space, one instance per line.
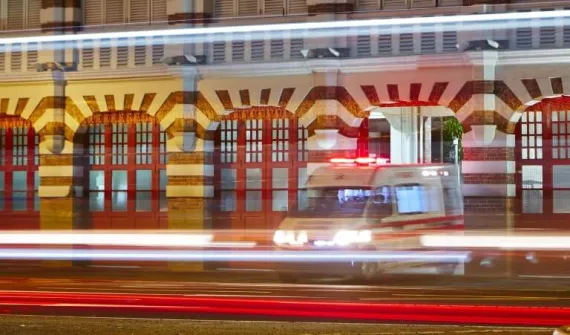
pixel 261 255
pixel 485 21
pixel 134 239
pixel 507 242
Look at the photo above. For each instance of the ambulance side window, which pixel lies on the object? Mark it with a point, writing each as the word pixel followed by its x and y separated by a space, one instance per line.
pixel 381 204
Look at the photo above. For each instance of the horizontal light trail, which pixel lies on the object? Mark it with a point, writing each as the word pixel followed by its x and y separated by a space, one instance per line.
pixel 311 29
pixel 233 255
pixel 77 303
pixel 133 239
pixel 506 242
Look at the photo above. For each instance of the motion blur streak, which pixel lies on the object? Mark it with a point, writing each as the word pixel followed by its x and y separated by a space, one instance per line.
pixel 497 242
pixel 121 239
pixel 484 21
pixel 109 304
pixel 235 255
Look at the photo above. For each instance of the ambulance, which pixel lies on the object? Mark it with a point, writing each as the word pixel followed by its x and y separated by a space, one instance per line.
pixel 366 204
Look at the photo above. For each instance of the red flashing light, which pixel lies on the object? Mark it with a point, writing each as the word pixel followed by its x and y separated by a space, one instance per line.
pixel 361 161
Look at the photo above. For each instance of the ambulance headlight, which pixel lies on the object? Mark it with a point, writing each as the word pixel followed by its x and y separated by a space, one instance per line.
pixel 290 237
pixel 348 237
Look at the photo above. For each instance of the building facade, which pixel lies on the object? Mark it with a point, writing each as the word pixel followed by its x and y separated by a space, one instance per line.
pixel 221 132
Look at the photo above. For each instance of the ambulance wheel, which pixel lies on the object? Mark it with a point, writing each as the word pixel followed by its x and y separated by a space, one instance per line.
pixel 287 278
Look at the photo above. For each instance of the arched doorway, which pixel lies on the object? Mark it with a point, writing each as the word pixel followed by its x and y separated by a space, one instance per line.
pixel 19 177
pixel 123 159
pixel 261 159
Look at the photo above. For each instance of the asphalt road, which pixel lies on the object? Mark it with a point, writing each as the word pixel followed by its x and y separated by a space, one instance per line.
pixel 395 289
pixel 32 325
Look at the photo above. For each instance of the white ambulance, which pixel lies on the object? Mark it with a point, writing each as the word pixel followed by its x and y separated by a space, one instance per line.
pixel 365 204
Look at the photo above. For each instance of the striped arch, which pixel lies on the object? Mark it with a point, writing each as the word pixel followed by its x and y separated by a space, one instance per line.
pixel 531 91
pixel 184 111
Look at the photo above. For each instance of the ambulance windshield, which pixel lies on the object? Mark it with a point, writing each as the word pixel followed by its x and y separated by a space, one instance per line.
pixel 332 202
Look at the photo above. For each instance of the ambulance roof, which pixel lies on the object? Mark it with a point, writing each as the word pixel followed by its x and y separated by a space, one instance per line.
pixel 363 176
pixel 334 176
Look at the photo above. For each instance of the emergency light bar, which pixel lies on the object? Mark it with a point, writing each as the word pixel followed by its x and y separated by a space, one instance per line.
pixel 361 161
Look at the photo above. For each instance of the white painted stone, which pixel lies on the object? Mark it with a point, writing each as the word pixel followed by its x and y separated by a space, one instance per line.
pixel 189 170
pixel 56 171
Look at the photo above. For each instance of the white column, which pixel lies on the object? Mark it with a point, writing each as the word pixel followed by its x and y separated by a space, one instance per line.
pixel 404 135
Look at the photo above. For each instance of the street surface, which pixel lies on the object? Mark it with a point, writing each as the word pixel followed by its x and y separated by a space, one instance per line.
pixel 259 296
pixel 394 289
pixel 32 325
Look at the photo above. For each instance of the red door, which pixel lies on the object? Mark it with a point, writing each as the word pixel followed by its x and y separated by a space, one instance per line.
pixel 259 161
pixel 543 176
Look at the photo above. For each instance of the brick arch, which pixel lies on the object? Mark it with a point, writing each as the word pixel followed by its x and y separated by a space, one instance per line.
pixel 205 119
pixel 72 117
pixel 108 118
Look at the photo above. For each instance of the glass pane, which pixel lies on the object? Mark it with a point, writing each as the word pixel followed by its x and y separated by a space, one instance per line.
pixel 539 153
pixel 280 201
pixel 96 180
pixel 253 201
pixel 561 202
pixel 562 116
pixel 524 129
pixel 538 116
pixel 531 117
pixel 119 201
pixel 280 178
pixel 555 153
pixel 36 201
pixel 19 201
pixel 562 128
pixel 144 180
pixel 229 177
pixel 532 177
pixel 20 181
pixel 96 201
pixel 531 129
pixel 253 177
pixel 36 180
pixel 555 128
pixel 302 200
pixel 144 202
pixel 302 181
pixel 561 176
pixel 2 181
pixel 228 202
pixel 163 202
pixel 531 154
pixel 2 203
pixel 524 153
pixel 554 116
pixel 531 141
pixel 539 129
pixel 532 201
pixel 120 181
pixel 163 180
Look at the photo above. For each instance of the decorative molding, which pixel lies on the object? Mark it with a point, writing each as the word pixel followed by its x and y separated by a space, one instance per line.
pixel 338 93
